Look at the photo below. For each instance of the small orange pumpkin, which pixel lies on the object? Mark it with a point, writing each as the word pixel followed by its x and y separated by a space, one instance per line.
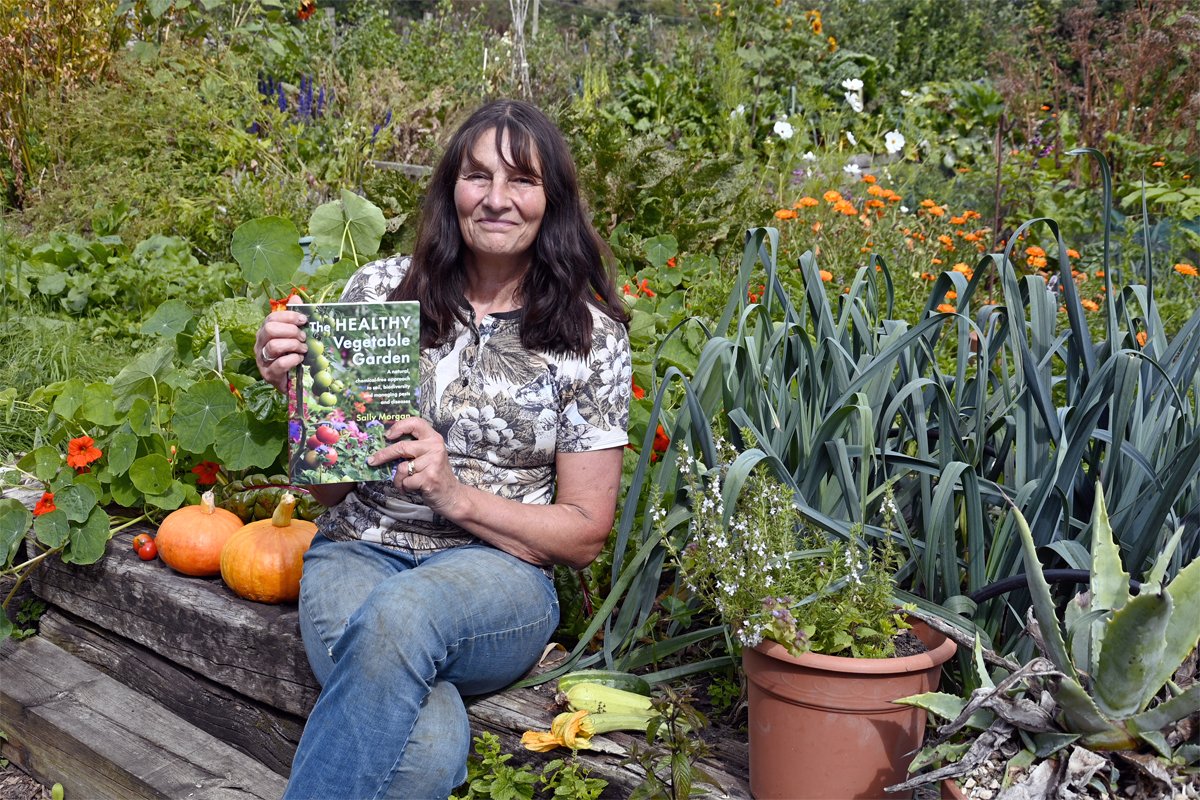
pixel 190 539
pixel 263 560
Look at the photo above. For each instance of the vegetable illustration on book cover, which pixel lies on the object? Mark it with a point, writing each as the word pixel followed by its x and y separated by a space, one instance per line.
pixel 361 373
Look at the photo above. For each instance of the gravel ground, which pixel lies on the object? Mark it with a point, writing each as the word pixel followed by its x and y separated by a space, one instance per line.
pixel 16 785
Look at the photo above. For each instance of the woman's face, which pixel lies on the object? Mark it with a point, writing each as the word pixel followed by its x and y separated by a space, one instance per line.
pixel 499 210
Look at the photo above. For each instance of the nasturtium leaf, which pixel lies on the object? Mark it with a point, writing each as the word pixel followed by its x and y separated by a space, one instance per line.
pixel 15 520
pixel 52 283
pixel 268 249
pixel 140 417
pixel 76 500
pixel 140 379
pixel 52 529
pixel 152 474
pixel 169 500
pixel 661 248
pixel 123 492
pixel 347 229
pixel 44 462
pixel 244 442
pixel 169 319
pixel 122 449
pixel 98 406
pixel 239 318
pixel 88 540
pixel 197 412
pixel 69 399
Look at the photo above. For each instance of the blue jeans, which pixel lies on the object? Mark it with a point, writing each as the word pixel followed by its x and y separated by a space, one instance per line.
pixel 395 640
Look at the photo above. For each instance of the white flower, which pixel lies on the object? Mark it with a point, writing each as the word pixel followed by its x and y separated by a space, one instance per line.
pixel 851 168
pixel 740 111
pixel 905 93
pixel 852 84
pixel 784 129
pixel 850 138
pixel 893 141
pixel 855 101
pixel 904 209
pixel 809 156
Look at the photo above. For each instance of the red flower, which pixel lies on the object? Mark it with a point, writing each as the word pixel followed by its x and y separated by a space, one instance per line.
pixel 82 451
pixel 307 9
pixel 282 304
pixel 206 472
pixel 671 262
pixel 661 440
pixel 638 391
pixel 45 505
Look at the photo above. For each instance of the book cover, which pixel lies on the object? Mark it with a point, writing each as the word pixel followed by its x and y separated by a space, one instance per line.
pixel 361 373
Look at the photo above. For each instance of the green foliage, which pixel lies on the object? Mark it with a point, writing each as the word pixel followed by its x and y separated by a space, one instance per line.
pixel 489 775
pixel 673 748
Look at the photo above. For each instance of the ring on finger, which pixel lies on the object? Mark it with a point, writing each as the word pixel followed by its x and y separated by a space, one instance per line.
pixel 265 358
pixel 411 469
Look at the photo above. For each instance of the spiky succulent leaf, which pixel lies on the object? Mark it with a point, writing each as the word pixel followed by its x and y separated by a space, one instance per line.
pixel 1158 572
pixel 946 706
pixel 1043 603
pixel 1164 714
pixel 1134 641
pixel 1079 711
pixel 1110 581
pixel 1183 630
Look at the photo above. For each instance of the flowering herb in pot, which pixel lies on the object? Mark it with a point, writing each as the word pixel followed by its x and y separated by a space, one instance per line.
pixel 769 577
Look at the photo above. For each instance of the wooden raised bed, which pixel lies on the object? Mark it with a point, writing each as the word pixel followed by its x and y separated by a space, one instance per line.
pixel 237 669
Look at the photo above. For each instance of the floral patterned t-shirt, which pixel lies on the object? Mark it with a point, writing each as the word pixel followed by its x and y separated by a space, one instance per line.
pixel 504 411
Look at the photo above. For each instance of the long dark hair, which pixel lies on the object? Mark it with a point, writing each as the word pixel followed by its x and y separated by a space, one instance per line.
pixel 571 264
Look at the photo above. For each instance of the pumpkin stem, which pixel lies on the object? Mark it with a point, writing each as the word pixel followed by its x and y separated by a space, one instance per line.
pixel 208 502
pixel 282 517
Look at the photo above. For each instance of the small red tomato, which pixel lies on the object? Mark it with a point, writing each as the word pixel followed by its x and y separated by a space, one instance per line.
pixel 328 435
pixel 140 540
pixel 148 550
pixel 313 442
pixel 331 458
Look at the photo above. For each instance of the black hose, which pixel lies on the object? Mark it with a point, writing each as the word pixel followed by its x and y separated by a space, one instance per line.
pixel 1019 581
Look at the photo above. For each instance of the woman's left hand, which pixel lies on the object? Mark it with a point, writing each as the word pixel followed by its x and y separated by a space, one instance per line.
pixel 424 464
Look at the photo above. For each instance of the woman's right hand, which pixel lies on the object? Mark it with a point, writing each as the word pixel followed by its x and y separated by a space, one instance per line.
pixel 279 346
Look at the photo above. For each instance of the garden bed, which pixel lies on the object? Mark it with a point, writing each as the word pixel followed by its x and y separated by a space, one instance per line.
pixel 237 670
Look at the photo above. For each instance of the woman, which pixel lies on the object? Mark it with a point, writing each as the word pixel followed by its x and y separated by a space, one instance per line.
pixel 438 584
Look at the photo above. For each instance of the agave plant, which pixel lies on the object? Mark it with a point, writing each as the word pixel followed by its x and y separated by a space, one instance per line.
pixel 1104 679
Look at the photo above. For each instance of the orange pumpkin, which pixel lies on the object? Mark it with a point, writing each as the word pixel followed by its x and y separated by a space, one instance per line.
pixel 190 539
pixel 263 560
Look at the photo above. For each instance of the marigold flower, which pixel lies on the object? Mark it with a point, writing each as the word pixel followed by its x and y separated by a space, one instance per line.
pixel 1089 305
pixel 1142 338
pixel 832 196
pixel 874 204
pixel 845 207
pixel 927 203
pixel 869 179
pixel 946 308
pixel 1186 269
pixel 1099 273
pixel 926 276
pixel 785 213
pixel 82 451
pixel 807 202
pixel 937 211
pixel 206 472
pixel 1034 250
pixel 816 227
pixel 1159 164
pixel 45 505
pixel 1037 262
pixel 971 214
pixel 951 295
pixel 935 261
pixel 891 196
pixel 946 241
pixel 957 220
pixel 1072 253
pixel 826 275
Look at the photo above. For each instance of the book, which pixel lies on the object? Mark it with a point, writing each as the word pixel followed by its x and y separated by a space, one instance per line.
pixel 361 373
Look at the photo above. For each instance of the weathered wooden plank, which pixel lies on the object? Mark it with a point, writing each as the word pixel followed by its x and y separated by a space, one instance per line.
pixel 74 725
pixel 195 622
pixel 261 731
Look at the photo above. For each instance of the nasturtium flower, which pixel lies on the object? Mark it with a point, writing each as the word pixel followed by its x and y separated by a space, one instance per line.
pixel 661 440
pixel 783 129
pixel 45 504
pixel 82 451
pixel 1186 269
pixel 638 391
pixel 206 473
pixel 894 141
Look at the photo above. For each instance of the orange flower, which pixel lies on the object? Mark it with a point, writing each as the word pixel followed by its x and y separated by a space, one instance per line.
pixel 891 196
pixel 45 505
pixel 951 295
pixel 868 179
pixel 807 202
pixel 816 227
pixel 1089 305
pixel 1186 269
pixel 935 260
pixel 962 267
pixel 826 275
pixel 785 213
pixel 671 262
pixel 845 207
pixel 307 9
pixel 832 196
pixel 874 204
pixel 946 241
pixel 1099 273
pixel 644 288
pixel 1037 262
pixel 926 276
pixel 937 211
pixel 1142 338
pixel 282 303
pixel 206 473
pixel 957 220
pixel 82 451
pixel 638 391
pixel 946 308
pixel 1159 164
pixel 661 440
pixel 1072 253
pixel 971 214
pixel 927 203
pixel 1034 251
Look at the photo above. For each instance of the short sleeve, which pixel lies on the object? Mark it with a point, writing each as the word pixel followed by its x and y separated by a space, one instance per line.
pixel 595 412
pixel 373 282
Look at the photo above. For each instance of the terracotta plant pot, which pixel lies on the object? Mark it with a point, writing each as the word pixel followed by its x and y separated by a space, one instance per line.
pixel 952 791
pixel 825 726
